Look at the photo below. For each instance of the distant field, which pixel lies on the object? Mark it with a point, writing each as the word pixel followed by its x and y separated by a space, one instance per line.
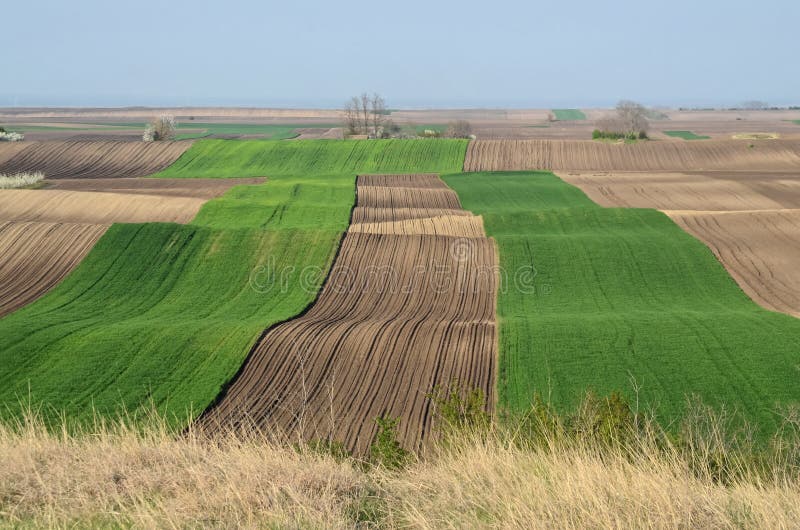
pixel 569 114
pixel 221 158
pixel 269 131
pixel 166 313
pixel 279 131
pixel 613 296
pixel 686 135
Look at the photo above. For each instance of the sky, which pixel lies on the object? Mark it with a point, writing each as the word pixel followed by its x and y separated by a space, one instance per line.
pixel 417 54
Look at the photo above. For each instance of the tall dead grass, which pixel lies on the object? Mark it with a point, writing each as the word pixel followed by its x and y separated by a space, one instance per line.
pixel 118 474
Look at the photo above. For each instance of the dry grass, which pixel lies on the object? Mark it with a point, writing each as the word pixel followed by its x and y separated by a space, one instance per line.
pixel 20 180
pixel 116 475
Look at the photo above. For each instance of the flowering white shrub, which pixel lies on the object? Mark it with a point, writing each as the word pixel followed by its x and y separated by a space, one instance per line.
pixel 11 137
pixel 19 180
pixel 160 128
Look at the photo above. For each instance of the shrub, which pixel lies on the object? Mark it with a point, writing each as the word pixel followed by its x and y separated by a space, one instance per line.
pixel 160 128
pixel 386 450
pixel 459 129
pixel 20 180
pixel 11 136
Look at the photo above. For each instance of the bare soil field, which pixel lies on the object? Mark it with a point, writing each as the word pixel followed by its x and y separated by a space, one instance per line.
pixel 199 188
pixel 400 314
pixel 751 221
pixel 315 133
pixel 559 155
pixel 45 233
pixel 91 159
pixel 36 256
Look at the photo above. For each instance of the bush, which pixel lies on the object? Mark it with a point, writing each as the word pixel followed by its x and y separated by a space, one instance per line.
pixel 20 180
pixel 11 136
pixel 386 450
pixel 161 128
pixel 598 134
pixel 459 129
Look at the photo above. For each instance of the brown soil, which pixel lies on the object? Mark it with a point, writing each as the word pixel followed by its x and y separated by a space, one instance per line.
pixel 200 188
pixel 92 159
pixel 45 233
pixel 751 221
pixel 505 155
pixel 37 256
pixel 400 314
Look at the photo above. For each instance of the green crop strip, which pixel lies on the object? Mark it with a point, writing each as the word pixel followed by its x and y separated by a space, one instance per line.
pixel 165 314
pixel 597 298
pixel 686 135
pixel 223 158
pixel 569 114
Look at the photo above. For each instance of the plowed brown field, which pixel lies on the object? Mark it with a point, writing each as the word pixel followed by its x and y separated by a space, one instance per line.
pixel 750 221
pixel 45 233
pixel 576 155
pixel 91 159
pixel 36 256
pixel 401 313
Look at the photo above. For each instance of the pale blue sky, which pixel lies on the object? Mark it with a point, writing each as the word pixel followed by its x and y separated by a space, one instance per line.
pixel 499 53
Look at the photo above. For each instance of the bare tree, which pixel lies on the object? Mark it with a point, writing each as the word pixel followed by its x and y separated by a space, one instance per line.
pixel 352 120
pixel 378 111
pixel 755 105
pixel 632 117
pixel 459 129
pixel 366 114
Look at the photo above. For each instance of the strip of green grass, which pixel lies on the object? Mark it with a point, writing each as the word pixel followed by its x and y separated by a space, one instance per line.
pixel 621 295
pixel 166 313
pixel 686 135
pixel 569 114
pixel 222 158
pixel 796 122
pixel 280 131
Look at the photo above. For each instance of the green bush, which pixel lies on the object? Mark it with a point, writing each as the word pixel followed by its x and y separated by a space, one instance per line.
pixel 386 450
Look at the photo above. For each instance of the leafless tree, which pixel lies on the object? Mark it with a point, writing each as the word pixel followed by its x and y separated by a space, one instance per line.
pixel 459 129
pixel 632 117
pixel 352 115
pixel 365 114
pixel 755 105
pixel 378 110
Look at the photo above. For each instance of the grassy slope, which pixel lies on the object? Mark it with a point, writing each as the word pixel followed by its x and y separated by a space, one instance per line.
pixel 569 114
pixel 223 158
pixel 168 312
pixel 621 294
pixel 686 135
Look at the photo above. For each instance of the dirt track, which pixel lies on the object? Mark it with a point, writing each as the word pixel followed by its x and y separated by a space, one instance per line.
pixel 400 314
pixel 577 155
pixel 90 159
pixel 750 221
pixel 45 233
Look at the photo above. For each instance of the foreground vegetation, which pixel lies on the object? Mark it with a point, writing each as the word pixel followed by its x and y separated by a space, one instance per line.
pixel 601 466
pixel 222 158
pixel 609 299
